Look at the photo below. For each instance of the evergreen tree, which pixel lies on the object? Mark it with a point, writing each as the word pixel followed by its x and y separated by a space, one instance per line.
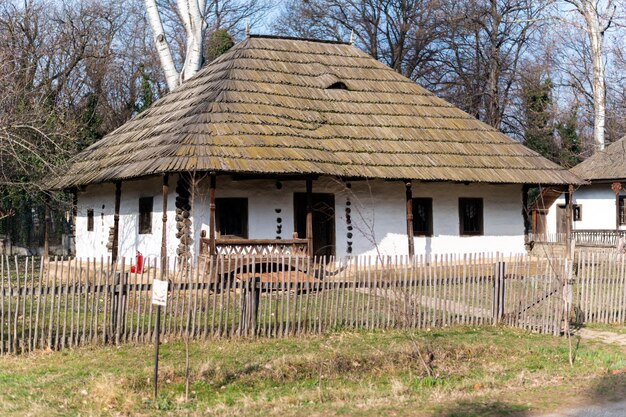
pixel 570 142
pixel 146 97
pixel 536 100
pixel 216 44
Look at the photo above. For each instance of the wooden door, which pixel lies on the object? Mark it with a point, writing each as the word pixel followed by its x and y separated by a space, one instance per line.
pixel 323 221
pixel 561 219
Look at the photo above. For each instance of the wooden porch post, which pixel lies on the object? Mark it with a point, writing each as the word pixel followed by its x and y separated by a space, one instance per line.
pixel 46 229
pixel 409 217
pixel 166 190
pixel 116 221
pixel 616 187
pixel 309 217
pixel 74 217
pixel 212 186
pixel 525 212
pixel 568 219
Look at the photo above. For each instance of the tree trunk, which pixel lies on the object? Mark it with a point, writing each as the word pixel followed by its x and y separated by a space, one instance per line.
pixel 195 27
pixel 596 38
pixel 163 48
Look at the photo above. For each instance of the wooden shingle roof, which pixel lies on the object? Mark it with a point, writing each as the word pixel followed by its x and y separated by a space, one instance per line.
pixel 606 165
pixel 265 106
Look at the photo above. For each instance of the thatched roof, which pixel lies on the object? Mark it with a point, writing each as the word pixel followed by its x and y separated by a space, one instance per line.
pixel 606 165
pixel 266 107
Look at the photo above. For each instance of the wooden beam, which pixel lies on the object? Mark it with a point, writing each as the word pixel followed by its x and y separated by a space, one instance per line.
pixel 568 219
pixel 309 216
pixel 525 210
pixel 46 229
pixel 212 187
pixel 616 187
pixel 409 217
pixel 74 218
pixel 166 189
pixel 116 221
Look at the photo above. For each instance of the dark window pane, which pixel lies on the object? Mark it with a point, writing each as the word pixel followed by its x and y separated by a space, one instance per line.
pixel 423 216
pixel 577 212
pixel 471 216
pixel 90 220
pixel 622 215
pixel 145 215
pixel 231 216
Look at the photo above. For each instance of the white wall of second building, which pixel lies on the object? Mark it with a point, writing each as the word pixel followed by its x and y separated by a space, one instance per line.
pixel 597 202
pixel 101 199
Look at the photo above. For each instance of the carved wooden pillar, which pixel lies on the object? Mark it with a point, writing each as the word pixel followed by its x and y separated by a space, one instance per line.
pixel 568 219
pixel 74 218
pixel 116 221
pixel 212 186
pixel 525 210
pixel 166 190
pixel 616 187
pixel 409 217
pixel 309 217
pixel 46 230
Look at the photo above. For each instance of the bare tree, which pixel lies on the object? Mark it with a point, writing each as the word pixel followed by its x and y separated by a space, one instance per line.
pixel 401 34
pixel 484 47
pixel 195 17
pixel 69 72
pixel 597 16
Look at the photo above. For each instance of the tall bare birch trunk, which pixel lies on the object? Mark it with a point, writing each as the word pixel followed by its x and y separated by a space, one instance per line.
pixel 192 15
pixel 597 21
pixel 596 38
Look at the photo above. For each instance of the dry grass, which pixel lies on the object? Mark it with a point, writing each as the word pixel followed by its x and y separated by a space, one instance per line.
pixel 495 371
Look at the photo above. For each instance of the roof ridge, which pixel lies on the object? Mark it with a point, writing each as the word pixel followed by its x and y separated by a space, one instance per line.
pixel 297 38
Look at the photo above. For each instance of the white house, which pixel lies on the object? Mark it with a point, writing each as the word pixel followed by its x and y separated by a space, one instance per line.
pixel 303 146
pixel 599 205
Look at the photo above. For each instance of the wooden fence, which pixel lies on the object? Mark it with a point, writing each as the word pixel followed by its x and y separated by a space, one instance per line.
pixel 589 238
pixel 63 303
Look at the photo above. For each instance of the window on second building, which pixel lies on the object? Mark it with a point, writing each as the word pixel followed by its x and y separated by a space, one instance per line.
pixel 622 210
pixel 423 216
pixel 90 220
pixel 145 215
pixel 471 216
pixel 231 216
pixel 577 212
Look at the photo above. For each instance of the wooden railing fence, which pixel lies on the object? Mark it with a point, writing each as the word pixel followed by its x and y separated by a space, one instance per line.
pixel 599 238
pixel 63 303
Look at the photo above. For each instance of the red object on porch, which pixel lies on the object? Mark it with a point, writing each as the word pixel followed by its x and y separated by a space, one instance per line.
pixel 139 264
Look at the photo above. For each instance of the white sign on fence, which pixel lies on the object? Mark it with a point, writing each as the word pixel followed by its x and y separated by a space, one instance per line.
pixel 159 292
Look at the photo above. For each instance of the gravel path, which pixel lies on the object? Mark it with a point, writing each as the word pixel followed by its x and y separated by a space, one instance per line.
pixel 617 409
pixel 605 337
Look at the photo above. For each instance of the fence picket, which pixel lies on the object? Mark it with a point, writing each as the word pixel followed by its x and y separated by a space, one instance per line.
pixel 71 302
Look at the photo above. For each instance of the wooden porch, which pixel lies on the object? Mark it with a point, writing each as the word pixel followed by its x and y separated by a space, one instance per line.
pixel 262 248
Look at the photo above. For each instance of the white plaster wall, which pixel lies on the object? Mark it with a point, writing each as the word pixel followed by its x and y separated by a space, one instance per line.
pixel 377 213
pixel 598 208
pixel 101 198
pixel 381 230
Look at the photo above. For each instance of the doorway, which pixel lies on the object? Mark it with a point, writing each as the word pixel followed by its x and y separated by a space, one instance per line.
pixel 323 221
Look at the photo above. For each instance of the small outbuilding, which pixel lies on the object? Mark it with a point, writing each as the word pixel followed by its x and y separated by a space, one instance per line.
pixel 598 209
pixel 286 145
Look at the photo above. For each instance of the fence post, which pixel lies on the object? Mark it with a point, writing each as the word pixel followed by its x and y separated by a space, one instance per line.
pixel 499 273
pixel 118 304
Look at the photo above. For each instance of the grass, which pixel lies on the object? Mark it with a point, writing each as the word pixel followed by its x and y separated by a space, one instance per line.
pixel 486 372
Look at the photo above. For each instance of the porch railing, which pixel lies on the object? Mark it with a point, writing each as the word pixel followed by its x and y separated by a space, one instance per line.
pixel 601 238
pixel 256 247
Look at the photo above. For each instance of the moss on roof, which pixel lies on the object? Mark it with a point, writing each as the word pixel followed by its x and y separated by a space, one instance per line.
pixel 265 107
